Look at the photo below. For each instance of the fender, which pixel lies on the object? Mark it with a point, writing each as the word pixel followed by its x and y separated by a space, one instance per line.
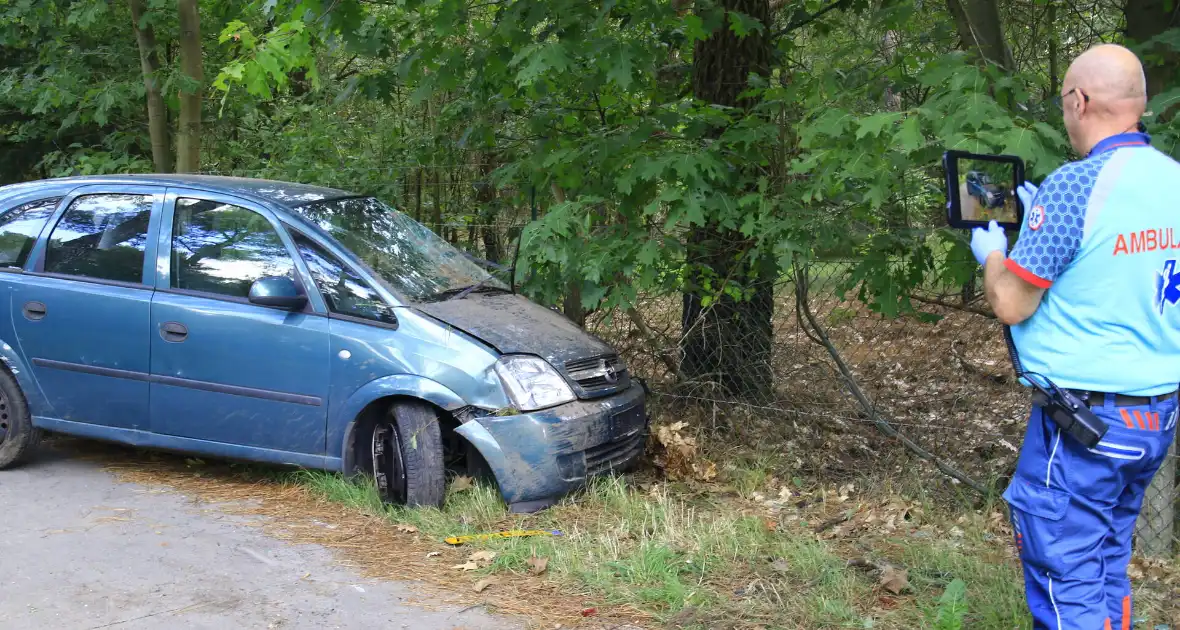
pixel 506 477
pixel 343 423
pixel 38 405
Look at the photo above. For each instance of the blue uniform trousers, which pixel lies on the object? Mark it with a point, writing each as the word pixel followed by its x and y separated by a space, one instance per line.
pixel 1074 511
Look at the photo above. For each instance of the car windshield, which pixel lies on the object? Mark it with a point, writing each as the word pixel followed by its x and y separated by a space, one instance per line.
pixel 413 260
pixel 985 179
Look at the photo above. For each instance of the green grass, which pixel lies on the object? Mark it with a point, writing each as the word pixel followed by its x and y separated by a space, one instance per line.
pixel 702 561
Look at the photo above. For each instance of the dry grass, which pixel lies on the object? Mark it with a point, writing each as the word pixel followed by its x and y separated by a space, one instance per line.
pixel 754 548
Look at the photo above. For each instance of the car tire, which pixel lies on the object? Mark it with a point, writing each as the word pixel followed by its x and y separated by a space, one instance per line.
pixel 18 436
pixel 405 456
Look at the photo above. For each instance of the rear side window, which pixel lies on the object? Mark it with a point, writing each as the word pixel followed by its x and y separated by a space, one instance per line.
pixel 221 248
pixel 19 228
pixel 345 292
pixel 101 236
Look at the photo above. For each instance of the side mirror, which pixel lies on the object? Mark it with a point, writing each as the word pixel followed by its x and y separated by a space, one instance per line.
pixel 279 291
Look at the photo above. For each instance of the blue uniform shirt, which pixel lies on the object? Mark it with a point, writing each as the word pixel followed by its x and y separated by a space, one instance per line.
pixel 1103 236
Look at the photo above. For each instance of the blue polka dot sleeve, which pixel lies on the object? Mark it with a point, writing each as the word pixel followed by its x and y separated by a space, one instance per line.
pixel 1052 229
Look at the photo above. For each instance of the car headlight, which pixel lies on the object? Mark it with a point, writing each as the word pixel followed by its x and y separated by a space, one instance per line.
pixel 532 383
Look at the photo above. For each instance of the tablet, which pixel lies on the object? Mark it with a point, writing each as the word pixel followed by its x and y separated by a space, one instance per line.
pixel 982 188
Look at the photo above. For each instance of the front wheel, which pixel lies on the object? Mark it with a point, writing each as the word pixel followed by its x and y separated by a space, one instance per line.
pixel 18 436
pixel 405 456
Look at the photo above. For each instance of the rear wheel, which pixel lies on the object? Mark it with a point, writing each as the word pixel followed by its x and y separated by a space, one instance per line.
pixel 403 452
pixel 18 436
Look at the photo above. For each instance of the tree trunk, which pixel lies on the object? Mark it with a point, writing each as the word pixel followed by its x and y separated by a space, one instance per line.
pixel 188 150
pixel 149 61
pixel 1145 20
pixel 981 32
pixel 418 195
pixel 1054 52
pixel 727 340
pixel 485 201
pixel 436 212
pixel 571 302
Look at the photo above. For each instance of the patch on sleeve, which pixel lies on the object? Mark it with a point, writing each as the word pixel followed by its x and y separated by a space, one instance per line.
pixel 1036 217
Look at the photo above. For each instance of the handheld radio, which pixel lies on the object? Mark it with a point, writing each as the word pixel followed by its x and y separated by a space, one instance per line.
pixel 1069 412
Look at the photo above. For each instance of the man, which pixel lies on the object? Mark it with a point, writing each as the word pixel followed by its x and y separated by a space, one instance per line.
pixel 1092 293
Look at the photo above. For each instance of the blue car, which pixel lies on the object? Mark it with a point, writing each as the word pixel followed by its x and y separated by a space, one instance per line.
pixel 988 194
pixel 284 323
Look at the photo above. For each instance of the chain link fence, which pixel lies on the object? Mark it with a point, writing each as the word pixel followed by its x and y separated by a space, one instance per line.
pixel 852 390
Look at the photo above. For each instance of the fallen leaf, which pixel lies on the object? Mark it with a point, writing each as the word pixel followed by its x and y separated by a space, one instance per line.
pixel 894 580
pixel 466 566
pixel 433 554
pixel 483 584
pixel 482 557
pixel 886 602
pixel 409 529
pixel 461 483
pixel 537 565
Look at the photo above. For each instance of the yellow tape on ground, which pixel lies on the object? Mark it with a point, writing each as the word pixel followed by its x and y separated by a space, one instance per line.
pixel 459 540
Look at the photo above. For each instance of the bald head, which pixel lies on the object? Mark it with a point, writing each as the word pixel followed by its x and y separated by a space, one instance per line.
pixel 1104 93
pixel 1112 77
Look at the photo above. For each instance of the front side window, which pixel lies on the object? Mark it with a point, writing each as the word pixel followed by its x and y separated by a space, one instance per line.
pixel 19 228
pixel 345 292
pixel 222 249
pixel 101 236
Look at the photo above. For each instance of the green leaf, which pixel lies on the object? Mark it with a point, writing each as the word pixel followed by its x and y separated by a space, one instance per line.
pixel 742 24
pixel 648 253
pixel 873 125
pixel 909 135
pixel 620 71
pixel 952 606
pixel 1164 101
pixel 694 28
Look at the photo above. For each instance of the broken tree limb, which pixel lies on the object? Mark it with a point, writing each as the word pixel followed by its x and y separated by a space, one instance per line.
pixel 650 338
pixel 883 425
pixel 958 307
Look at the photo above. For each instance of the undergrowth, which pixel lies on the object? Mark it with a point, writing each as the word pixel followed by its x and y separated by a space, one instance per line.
pixel 698 560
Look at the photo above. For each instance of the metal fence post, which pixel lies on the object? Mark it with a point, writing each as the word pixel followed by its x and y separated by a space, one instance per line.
pixel 1155 530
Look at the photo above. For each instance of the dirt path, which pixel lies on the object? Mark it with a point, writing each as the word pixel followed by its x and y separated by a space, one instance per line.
pixel 79 549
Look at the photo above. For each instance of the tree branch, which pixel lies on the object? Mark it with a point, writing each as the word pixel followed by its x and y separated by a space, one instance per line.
pixel 958 307
pixel 870 409
pixel 340 74
pixel 804 21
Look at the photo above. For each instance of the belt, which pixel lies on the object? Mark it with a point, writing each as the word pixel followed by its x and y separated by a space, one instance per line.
pixel 1093 398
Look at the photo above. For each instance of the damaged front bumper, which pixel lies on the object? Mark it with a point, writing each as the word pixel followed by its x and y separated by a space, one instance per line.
pixel 538 457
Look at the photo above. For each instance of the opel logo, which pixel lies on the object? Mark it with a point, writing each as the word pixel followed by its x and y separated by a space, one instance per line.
pixel 608 372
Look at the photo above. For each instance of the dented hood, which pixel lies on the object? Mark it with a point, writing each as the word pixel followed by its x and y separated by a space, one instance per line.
pixel 513 325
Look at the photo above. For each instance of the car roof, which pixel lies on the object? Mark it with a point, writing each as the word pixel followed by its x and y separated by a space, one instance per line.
pixel 286 194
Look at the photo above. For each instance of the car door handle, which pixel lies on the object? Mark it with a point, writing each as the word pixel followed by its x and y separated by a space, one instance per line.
pixel 173 332
pixel 35 311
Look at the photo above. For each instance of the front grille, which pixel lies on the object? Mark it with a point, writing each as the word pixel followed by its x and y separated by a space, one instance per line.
pixel 599 373
pixel 606 457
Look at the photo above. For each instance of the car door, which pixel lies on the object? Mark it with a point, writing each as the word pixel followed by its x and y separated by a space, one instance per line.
pixel 225 369
pixel 80 312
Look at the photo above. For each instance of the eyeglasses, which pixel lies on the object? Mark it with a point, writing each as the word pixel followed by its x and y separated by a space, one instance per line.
pixel 1059 100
